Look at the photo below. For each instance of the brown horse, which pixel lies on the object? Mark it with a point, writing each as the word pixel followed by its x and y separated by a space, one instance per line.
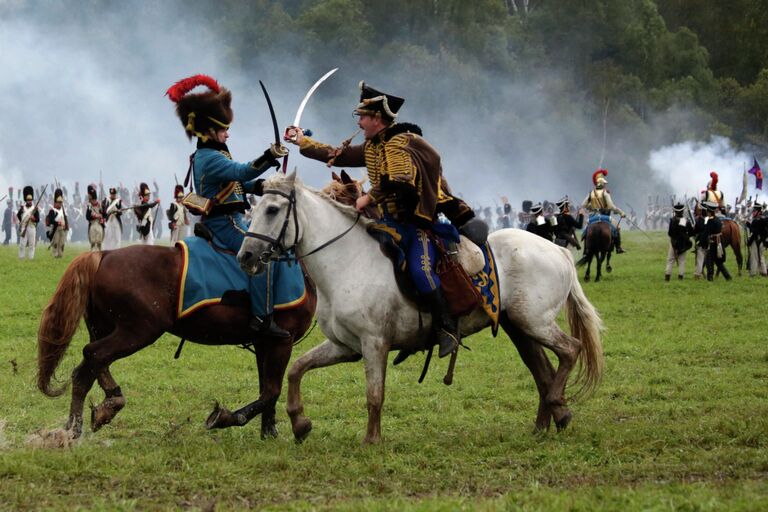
pixel 598 243
pixel 731 236
pixel 129 298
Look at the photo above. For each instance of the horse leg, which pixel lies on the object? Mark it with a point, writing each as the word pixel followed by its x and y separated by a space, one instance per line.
pixel 375 355
pixel 538 364
pixel 113 402
pixel 600 257
pixel 567 349
pixel 608 262
pixel 737 253
pixel 82 381
pixel 589 266
pixel 327 353
pixel 271 360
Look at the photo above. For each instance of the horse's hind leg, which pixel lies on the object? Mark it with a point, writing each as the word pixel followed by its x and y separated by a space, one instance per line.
pixel 82 381
pixel 325 354
pixel 537 362
pixel 599 274
pixel 589 267
pixel 608 267
pixel 567 349
pixel 113 402
pixel 375 355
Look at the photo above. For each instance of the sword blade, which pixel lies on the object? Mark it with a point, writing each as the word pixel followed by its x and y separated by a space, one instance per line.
pixel 271 113
pixel 300 111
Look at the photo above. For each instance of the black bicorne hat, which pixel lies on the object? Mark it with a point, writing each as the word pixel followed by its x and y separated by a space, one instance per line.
pixel 374 102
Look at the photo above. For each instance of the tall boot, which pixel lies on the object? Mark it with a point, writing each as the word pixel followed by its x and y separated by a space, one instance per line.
pixel 619 250
pixel 267 329
pixel 445 325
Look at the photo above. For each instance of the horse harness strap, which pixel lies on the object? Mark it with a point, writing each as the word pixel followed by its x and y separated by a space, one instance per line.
pixel 278 243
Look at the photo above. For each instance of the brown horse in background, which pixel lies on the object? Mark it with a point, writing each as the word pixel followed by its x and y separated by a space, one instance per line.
pixel 731 236
pixel 598 243
pixel 128 298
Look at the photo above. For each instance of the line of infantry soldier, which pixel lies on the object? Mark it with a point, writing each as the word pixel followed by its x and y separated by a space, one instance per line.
pixel 100 220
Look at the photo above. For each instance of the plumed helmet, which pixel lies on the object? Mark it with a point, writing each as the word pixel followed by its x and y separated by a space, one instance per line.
pixel 712 185
pixel 29 193
pixel 199 112
pixel 92 195
pixel 58 196
pixel 598 177
pixel 374 102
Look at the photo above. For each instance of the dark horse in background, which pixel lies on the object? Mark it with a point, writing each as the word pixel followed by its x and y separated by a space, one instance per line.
pixel 730 237
pixel 128 298
pixel 598 243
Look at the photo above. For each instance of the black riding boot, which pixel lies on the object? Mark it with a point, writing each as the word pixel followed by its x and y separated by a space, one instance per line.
pixel 445 325
pixel 267 329
pixel 619 250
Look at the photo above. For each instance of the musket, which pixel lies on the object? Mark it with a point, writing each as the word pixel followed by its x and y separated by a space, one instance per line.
pixel 300 111
pixel 141 205
pixel 634 225
pixel 26 222
pixel 1 198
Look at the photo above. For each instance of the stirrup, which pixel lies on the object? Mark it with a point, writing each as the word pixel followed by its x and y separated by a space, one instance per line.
pixel 267 328
pixel 448 343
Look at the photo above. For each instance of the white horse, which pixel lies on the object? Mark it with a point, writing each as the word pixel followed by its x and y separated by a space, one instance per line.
pixel 363 314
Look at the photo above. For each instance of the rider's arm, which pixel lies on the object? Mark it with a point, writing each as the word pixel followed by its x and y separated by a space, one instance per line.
pixel 351 156
pixel 216 167
pixel 610 206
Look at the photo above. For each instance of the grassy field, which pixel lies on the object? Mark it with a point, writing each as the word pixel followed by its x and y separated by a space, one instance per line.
pixel 680 421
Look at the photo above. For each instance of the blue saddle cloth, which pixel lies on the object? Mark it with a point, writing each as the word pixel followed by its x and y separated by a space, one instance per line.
pixel 207 274
pixel 599 217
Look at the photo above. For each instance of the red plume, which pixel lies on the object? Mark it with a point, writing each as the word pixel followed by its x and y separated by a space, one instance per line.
pixel 182 87
pixel 599 171
pixel 713 175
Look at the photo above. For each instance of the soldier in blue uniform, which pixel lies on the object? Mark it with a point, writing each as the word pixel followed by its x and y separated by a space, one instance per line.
pixel 539 224
pixel 220 183
pixel 709 237
pixel 680 231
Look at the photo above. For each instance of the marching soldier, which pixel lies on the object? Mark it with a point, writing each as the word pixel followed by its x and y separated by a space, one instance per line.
pixel 713 195
pixel 28 216
pixel 8 218
pixel 758 234
pixel 221 184
pixel 540 225
pixel 95 217
pixel 178 216
pixel 710 239
pixel 600 203
pixel 144 217
pixel 567 225
pixel 408 187
pixel 680 231
pixel 57 224
pixel 113 227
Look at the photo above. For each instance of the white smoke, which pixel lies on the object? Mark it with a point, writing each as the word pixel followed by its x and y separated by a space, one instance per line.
pixel 686 167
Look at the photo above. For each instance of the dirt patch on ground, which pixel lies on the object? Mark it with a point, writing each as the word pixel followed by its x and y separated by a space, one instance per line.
pixel 50 439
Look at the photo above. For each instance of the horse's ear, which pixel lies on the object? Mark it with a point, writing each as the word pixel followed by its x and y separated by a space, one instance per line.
pixel 345 179
pixel 334 176
pixel 291 178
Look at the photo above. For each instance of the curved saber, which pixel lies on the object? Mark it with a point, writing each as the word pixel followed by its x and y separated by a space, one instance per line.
pixel 297 119
pixel 271 113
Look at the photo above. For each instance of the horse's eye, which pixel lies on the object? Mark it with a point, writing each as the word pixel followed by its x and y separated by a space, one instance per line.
pixel 272 210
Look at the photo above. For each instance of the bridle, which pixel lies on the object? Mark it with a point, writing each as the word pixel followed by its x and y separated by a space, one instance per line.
pixel 276 248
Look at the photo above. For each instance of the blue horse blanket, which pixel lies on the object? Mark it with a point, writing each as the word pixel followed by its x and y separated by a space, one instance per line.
pixel 206 274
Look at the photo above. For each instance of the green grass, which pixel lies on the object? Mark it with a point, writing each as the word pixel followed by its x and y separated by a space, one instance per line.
pixel 678 423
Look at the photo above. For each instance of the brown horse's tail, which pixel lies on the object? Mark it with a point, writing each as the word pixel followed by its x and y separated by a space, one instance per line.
pixel 61 318
pixel 587 327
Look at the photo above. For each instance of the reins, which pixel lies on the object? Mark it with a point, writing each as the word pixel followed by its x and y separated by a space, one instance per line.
pixel 276 245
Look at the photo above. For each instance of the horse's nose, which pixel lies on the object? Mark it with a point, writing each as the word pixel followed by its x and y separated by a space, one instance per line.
pixel 244 256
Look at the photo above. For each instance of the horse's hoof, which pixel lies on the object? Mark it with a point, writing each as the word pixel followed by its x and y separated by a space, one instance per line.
pixel 220 417
pixel 608 269
pixel 586 279
pixel 301 429
pixel 371 440
pixel 269 432
pixel 563 422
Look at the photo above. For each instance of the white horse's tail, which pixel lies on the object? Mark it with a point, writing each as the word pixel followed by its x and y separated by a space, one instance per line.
pixel 587 327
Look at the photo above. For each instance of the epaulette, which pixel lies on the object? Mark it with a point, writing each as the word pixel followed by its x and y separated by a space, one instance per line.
pixel 399 128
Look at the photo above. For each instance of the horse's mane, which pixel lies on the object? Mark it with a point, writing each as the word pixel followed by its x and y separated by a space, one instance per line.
pixel 284 183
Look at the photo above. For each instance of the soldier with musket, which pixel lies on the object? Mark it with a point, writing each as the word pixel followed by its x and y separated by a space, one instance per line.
pixel 113 226
pixel 94 214
pixel 758 235
pixel 57 224
pixel 28 216
pixel 566 224
pixel 708 235
pixel 680 231
pixel 143 212
pixel 177 216
pixel 599 202
pixel 539 224
pixel 409 190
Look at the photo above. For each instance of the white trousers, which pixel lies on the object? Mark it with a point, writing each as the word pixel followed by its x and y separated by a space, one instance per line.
pixel 673 258
pixel 28 241
pixel 756 260
pixel 701 253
